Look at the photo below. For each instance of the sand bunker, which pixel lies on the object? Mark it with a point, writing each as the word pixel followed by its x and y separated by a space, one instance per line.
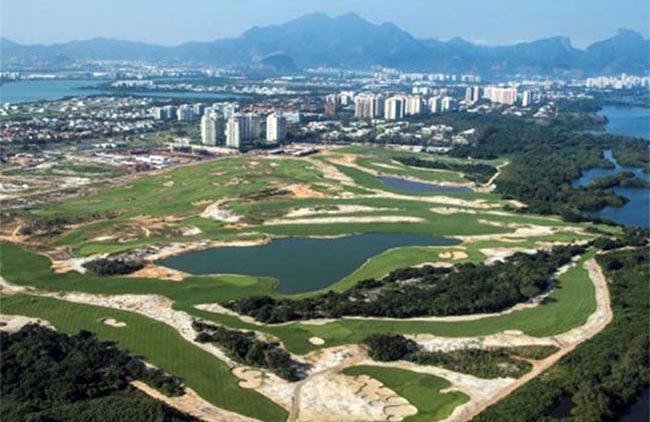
pixel 453 255
pixel 159 272
pixel 250 378
pixel 302 190
pixel 215 212
pixel 112 322
pixel 344 220
pixel 13 323
pixel 336 209
pixel 316 341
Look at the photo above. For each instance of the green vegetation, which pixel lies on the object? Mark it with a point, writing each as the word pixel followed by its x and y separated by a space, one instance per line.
pixel 421 390
pixel 245 348
pixel 155 342
pixel 546 158
pixel 566 307
pixel 484 363
pixel 49 376
pixel 604 374
pixel 479 173
pixel 118 266
pixel 425 291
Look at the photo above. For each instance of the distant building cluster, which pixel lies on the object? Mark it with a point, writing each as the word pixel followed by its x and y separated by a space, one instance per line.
pixel 396 107
pixel 624 81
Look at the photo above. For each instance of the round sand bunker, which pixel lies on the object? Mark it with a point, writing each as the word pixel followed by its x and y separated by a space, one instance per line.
pixel 112 322
pixel 316 341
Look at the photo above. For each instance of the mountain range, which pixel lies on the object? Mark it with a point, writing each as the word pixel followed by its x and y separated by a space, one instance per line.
pixel 351 42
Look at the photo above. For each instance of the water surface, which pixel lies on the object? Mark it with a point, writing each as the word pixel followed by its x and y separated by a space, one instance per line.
pixel 299 264
pixel 419 187
pixel 630 121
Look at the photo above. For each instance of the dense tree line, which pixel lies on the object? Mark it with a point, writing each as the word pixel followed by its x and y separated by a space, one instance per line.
pixel 546 156
pixel 483 363
pixel 605 374
pixel 478 173
pixel 50 377
pixel 427 291
pixel 244 347
pixel 113 266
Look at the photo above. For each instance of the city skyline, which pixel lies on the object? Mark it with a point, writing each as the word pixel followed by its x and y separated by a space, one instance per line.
pixel 499 23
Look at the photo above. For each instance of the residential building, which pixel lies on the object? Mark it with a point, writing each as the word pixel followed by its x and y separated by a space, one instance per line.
pixel 276 128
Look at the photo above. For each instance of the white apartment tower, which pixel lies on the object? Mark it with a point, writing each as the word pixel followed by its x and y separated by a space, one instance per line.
pixel 212 128
pixel 395 108
pixel 276 128
pixel 243 130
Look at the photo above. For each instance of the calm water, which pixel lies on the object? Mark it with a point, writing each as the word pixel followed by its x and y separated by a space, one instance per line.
pixel 639 411
pixel 299 264
pixel 419 187
pixel 631 121
pixel 49 90
pixel 45 90
pixel 637 211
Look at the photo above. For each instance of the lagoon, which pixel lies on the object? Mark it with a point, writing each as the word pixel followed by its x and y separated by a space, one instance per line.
pixel 419 187
pixel 55 89
pixel 299 264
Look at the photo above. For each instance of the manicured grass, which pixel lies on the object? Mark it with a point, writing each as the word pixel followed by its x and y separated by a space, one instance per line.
pixel 421 390
pixel 568 306
pixel 156 343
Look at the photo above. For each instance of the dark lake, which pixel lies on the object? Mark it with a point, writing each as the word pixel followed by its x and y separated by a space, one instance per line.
pixel 299 264
pixel 419 187
pixel 631 121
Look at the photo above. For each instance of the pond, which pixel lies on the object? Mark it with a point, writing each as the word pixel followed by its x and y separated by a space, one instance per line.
pixel 299 264
pixel 419 187
pixel 637 211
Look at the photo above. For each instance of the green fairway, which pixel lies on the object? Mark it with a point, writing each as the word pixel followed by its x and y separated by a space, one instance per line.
pixel 421 390
pixel 156 343
pixel 568 306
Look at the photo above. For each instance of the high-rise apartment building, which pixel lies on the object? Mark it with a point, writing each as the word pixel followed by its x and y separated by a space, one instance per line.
pixel 243 130
pixel 395 108
pixel 472 94
pixel 212 128
pixel 414 105
pixel 276 128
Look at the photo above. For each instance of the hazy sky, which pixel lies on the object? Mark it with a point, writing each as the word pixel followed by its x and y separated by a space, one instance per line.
pixel 175 21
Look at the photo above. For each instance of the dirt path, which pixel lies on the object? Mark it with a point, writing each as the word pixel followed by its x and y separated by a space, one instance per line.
pixel 490 183
pixel 595 324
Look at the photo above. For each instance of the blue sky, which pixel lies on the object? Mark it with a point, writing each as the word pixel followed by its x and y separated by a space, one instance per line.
pixel 169 22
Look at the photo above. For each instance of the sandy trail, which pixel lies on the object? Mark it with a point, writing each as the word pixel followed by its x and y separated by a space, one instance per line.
pixel 192 404
pixel 568 341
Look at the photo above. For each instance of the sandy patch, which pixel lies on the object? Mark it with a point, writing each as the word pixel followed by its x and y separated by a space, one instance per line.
pixel 190 231
pixel 159 272
pixel 301 190
pixel 250 378
pixel 500 254
pixel 215 211
pixel 344 220
pixel 316 341
pixel 112 322
pixel 168 184
pixel 336 209
pixel 13 323
pixel 453 255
